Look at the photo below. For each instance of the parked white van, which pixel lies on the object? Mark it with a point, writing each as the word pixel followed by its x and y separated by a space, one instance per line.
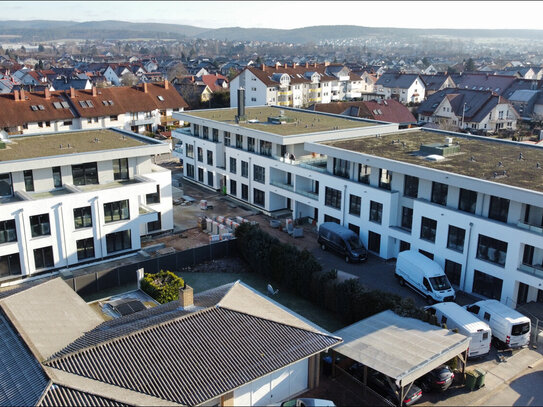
pixel 455 316
pixel 424 275
pixel 508 326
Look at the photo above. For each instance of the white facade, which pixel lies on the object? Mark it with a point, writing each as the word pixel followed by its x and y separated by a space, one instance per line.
pixel 298 175
pixel 415 93
pixel 146 188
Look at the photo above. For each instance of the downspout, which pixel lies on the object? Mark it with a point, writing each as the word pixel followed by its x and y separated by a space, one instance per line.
pixel 467 258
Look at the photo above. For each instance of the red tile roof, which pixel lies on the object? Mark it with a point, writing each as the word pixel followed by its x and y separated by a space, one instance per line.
pixel 388 110
pixel 212 81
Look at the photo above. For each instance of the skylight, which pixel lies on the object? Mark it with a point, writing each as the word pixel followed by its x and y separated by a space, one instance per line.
pixel 160 98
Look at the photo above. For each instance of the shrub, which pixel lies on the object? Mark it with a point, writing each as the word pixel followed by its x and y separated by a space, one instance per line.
pixel 163 286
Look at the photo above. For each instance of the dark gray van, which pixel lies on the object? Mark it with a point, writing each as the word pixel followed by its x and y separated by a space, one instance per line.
pixel 343 241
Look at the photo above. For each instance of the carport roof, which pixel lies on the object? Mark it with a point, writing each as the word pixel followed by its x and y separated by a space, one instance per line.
pixel 402 348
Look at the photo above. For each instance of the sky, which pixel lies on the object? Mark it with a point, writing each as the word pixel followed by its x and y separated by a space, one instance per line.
pixel 293 14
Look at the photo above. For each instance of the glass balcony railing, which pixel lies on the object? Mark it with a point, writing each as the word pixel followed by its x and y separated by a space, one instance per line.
pixel 282 185
pixel 533 270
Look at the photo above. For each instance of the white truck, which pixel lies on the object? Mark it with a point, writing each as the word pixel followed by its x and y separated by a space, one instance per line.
pixel 509 327
pixel 425 276
pixel 455 316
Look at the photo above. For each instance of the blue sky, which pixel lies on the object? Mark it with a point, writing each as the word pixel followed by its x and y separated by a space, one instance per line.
pixel 281 14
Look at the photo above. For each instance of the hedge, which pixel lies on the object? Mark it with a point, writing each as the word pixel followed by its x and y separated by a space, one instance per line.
pixel 163 286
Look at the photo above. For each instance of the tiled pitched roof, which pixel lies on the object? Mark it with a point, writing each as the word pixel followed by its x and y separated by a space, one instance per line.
pixel 212 81
pixel 480 81
pixel 434 82
pixel 393 111
pixel 59 396
pixel 297 74
pixel 396 80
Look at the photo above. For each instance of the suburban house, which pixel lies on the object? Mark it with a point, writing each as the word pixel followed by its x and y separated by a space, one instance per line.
pixel 473 204
pixel 481 110
pixel 228 346
pixel 69 198
pixel 406 88
pixel 435 82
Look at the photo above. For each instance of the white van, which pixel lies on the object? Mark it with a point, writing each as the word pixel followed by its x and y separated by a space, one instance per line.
pixel 455 316
pixel 508 326
pixel 424 275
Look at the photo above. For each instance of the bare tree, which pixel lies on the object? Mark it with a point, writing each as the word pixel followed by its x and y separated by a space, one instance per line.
pixel 129 79
pixel 177 71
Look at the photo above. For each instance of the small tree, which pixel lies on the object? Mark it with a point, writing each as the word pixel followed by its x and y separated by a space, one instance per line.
pixel 129 79
pixel 177 71
pixel 163 286
pixel 41 48
pixel 470 65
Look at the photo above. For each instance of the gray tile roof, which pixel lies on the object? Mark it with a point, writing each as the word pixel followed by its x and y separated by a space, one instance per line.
pixel 58 395
pixel 481 81
pixel 397 80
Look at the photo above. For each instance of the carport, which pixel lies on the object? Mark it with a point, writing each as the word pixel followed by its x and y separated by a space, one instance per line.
pixel 403 349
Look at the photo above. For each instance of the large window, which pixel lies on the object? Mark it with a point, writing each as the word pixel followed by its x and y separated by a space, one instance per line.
pixel 115 211
pixel 245 169
pixel 118 241
pixel 85 248
pixel 455 240
pixel 453 271
pixel 82 217
pixel 205 132
pixel 485 284
pixel 239 141
pixel 244 192
pixel 385 178
pixel 29 180
pixel 251 144
pixel 439 193
pixel 190 171
pixel 428 229
pixel 39 224
pixel 265 148
pixel 364 172
pixel 407 217
pixel 189 150
pixel 8 231
pixel 341 168
pixel 209 157
pixel 467 201
pixel 85 174
pixel 43 257
pixel 259 174
pixel 492 250
pixel 196 130
pixel 233 165
pixel 328 218
pixel 233 187
pixel 153 198
pixel 227 138
pixel 200 174
pixel 200 152
pixel 57 177
pixel 5 185
pixel 155 225
pixel 332 198
pixel 210 178
pixel 354 205
pixel 215 135
pixel 374 242
pixel 120 169
pixel 411 186
pixel 499 208
pixel 376 212
pixel 259 197
pixel 10 265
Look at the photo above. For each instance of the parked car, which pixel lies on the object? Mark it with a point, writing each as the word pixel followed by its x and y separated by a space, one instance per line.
pixel 343 241
pixel 308 402
pixel 378 383
pixel 439 379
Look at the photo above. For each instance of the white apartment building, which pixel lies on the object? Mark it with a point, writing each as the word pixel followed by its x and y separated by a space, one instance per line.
pixel 76 197
pixel 407 88
pixel 474 205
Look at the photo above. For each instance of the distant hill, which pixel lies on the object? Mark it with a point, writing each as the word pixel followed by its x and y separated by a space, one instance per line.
pixel 40 30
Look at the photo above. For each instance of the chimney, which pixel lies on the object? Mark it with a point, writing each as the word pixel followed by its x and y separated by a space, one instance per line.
pixel 186 296
pixel 47 94
pixel 326 63
pixel 23 96
pixel 263 68
pixel 16 95
pixel 166 84
pixel 94 91
pixel 307 64
pixel 277 65
pixel 145 89
pixel 72 93
pixel 315 65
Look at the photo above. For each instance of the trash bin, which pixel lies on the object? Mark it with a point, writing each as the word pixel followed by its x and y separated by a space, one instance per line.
pixel 480 379
pixel 327 365
pixel 471 380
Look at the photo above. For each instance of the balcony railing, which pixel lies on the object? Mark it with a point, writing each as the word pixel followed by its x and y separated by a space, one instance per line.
pixel 533 270
pixel 141 122
pixel 282 185
pixel 309 194
pixel 531 228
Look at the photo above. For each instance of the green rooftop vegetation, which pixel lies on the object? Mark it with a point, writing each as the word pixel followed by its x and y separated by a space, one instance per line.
pixel 66 143
pixel 505 163
pixel 296 122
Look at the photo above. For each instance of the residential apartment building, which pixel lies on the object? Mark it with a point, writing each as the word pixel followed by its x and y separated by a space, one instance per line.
pixel 406 88
pixel 474 205
pixel 75 197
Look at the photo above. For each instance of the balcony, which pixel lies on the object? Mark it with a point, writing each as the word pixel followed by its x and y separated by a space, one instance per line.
pixel 533 270
pixel 282 185
pixel 142 122
pixel 308 194
pixel 531 228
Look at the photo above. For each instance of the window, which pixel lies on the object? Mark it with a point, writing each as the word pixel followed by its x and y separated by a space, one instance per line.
pixel 374 242
pixel 29 180
pixel 239 141
pixel 259 174
pixel 251 144
pixel 376 212
pixel 153 198
pixel 85 174
pixel 428 229
pixel 467 201
pixel 411 186
pixel 455 240
pixel 407 217
pixel 492 250
pixel 5 185
pixel 215 135
pixel 196 130
pixel 120 169
pixel 227 138
pixel 113 118
pixel 155 225
pixel 118 241
pixel 355 229
pixel 210 177
pixel 453 271
pixel 115 211
pixel 200 154
pixel 332 198
pixel 341 168
pixel 385 178
pixel 39 224
pixel 189 150
pixel 209 157
pixel 245 169
pixel 43 258
pixel 404 246
pixel 427 254
pixel 57 177
pixel 85 248
pixel 258 197
pixel 354 205
pixel 82 217
pixel 205 131
pixel 244 192
pixel 484 284
pixel 233 165
pixel 200 174
pixel 265 148
pixel 190 171
pixel 498 209
pixel 233 187
pixel 8 231
pixel 328 218
pixel 10 265
pixel 67 123
pixel 439 193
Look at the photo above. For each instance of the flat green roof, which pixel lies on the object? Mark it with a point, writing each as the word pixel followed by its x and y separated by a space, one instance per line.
pixel 477 158
pixel 45 145
pixel 303 122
